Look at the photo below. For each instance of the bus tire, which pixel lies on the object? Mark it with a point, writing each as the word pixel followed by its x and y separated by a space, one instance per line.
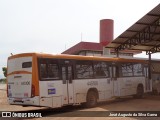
pixel 91 100
pixel 155 92
pixel 140 91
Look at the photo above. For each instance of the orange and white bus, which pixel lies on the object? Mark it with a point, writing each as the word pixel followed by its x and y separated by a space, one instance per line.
pixel 39 79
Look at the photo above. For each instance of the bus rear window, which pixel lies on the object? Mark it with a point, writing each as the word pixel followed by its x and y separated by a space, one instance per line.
pixel 26 64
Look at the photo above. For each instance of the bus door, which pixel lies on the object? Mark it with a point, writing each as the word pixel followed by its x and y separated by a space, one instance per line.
pixel 67 81
pixel 113 73
pixel 148 83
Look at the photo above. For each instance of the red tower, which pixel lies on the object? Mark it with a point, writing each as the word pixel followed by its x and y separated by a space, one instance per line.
pixel 106 31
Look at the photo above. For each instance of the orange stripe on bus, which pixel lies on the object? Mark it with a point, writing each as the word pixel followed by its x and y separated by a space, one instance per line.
pixel 19 72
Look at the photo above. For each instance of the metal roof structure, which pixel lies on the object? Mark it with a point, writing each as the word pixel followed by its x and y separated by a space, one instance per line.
pixel 144 35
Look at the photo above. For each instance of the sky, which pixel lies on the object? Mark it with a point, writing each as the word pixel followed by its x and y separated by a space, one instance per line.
pixel 52 26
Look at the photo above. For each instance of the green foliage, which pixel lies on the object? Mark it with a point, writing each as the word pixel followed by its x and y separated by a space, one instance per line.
pixel 4 69
pixel 3 80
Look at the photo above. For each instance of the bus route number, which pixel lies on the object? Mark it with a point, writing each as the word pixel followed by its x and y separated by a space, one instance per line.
pixel 92 83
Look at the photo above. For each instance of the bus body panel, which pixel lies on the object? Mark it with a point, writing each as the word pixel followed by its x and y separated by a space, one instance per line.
pixel 50 88
pixel 19 80
pixel 19 77
pixel 15 64
pixel 24 101
pixel 55 93
pixel 128 85
pixel 107 88
pixel 51 93
pixel 81 88
pixel 19 85
pixel 103 86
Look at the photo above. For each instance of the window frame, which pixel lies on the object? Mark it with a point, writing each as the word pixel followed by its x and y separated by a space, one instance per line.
pixel 27 64
pixel 142 72
pixel 133 72
pixel 88 61
pixel 92 63
pixel 106 63
pixel 47 64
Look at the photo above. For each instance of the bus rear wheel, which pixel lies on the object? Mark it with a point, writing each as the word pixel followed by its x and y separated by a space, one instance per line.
pixel 140 92
pixel 155 92
pixel 91 99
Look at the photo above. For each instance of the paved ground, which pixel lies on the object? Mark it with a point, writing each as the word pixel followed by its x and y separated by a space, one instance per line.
pixel 4 106
pixel 2 86
pixel 148 103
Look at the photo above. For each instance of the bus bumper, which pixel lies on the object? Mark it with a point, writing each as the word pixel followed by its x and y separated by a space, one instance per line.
pixel 24 101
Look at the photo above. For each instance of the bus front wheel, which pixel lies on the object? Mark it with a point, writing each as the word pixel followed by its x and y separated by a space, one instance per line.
pixel 91 99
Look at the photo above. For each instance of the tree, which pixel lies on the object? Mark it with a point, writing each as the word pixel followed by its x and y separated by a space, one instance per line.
pixel 4 69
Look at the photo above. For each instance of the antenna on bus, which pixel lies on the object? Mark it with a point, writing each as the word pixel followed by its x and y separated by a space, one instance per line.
pixel 11 54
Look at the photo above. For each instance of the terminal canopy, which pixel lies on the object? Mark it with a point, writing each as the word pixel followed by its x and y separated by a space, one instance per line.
pixel 144 35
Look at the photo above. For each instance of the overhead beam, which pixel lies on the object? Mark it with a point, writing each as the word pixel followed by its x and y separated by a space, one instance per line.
pixel 153 15
pixel 142 23
pixel 138 31
pixel 141 37
pixel 154 49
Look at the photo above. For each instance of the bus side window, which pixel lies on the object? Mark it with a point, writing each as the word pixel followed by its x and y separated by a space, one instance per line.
pixel 84 69
pixel 127 69
pixel 101 70
pixel 137 69
pixel 48 69
pixel 53 71
pixel 43 70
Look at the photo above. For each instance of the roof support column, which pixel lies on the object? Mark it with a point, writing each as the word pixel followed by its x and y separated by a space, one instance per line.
pixel 117 53
pixel 149 81
pixel 149 74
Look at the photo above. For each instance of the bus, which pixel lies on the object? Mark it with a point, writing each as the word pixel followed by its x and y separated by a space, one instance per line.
pixel 155 73
pixel 38 79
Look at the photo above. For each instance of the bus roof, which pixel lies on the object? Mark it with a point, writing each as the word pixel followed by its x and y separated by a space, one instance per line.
pixel 78 57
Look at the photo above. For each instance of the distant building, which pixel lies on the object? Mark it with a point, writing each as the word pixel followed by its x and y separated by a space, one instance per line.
pixel 97 49
pixel 85 48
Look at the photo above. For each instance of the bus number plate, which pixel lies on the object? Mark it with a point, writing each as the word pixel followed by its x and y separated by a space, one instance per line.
pixel 92 83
